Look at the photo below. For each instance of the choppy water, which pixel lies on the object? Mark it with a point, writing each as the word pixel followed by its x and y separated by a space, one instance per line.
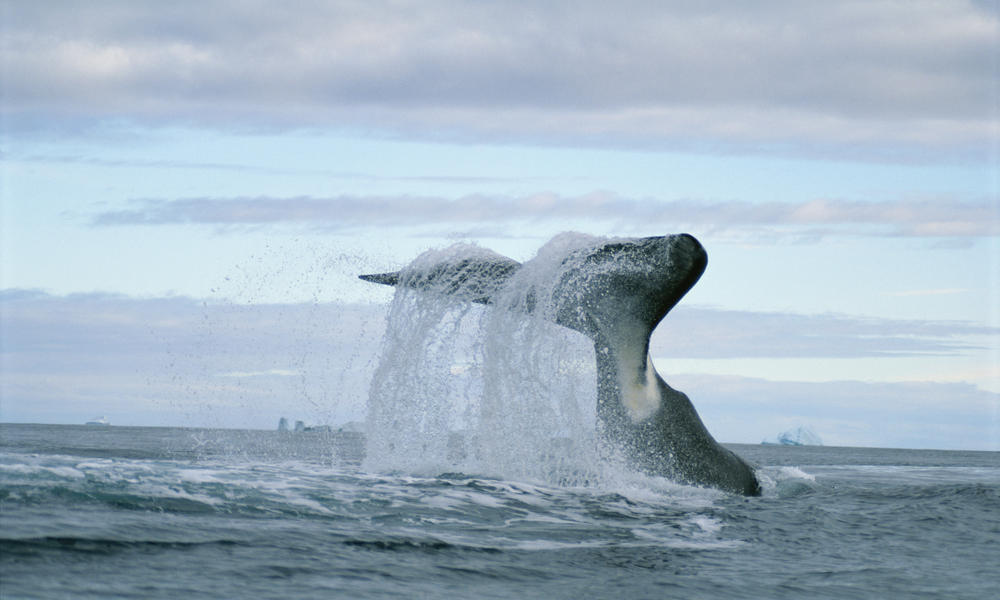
pixel 101 512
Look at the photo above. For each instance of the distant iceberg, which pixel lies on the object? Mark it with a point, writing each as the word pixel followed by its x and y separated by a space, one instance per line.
pixel 98 421
pixel 799 436
pixel 300 426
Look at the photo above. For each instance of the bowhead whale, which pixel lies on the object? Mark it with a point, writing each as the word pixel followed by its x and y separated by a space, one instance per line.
pixel 616 292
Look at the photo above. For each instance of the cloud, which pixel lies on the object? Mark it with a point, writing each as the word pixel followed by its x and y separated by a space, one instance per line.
pixel 267 373
pixel 692 332
pixel 88 332
pixel 848 75
pixel 934 292
pixel 848 413
pixel 818 218
pixel 129 163
pixel 182 361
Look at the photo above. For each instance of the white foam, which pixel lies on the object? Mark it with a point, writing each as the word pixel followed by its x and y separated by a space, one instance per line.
pixel 707 524
pixel 25 469
pixel 542 545
pixel 794 473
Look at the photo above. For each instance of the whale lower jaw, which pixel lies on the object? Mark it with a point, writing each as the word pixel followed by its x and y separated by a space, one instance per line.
pixel 641 399
pixel 657 427
pixel 626 343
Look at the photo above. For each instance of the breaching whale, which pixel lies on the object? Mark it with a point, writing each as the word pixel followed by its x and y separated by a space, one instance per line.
pixel 616 292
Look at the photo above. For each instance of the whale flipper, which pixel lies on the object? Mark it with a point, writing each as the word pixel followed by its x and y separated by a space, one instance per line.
pixel 616 293
pixel 383 278
pixel 473 279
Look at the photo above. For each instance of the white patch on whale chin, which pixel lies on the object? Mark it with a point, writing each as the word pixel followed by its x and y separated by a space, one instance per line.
pixel 640 397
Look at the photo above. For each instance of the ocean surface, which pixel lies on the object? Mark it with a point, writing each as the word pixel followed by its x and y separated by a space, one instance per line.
pixel 132 512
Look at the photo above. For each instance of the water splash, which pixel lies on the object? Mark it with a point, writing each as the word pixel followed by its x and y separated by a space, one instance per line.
pixel 495 389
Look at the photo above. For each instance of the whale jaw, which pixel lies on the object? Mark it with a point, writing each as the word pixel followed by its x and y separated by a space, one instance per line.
pixel 659 431
pixel 616 293
pixel 640 395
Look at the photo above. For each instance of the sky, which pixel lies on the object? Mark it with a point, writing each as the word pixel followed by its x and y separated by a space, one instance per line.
pixel 189 191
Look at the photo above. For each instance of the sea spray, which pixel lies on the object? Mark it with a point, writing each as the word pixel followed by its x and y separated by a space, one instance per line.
pixel 539 395
pixel 494 388
pixel 413 406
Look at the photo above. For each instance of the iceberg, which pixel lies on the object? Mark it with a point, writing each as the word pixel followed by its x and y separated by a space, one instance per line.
pixel 799 436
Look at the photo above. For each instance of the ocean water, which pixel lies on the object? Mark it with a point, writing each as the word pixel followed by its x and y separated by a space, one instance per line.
pixel 130 512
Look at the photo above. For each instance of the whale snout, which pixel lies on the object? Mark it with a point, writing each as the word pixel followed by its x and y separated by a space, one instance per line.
pixel 687 243
pixel 690 242
pixel 683 255
pixel 662 271
pixel 693 248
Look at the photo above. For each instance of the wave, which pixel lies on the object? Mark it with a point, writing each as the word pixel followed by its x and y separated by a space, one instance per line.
pixel 417 545
pixel 26 547
pixel 141 502
pixel 238 525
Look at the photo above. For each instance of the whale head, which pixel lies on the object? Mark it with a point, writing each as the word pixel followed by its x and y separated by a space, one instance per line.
pixel 627 283
pixel 605 290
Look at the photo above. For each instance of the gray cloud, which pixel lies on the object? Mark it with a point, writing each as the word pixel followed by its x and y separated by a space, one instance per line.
pixel 768 75
pixel 94 331
pixel 189 362
pixel 916 218
pixel 692 332
pixel 848 413
pixel 97 331
pixel 184 361
pixel 129 163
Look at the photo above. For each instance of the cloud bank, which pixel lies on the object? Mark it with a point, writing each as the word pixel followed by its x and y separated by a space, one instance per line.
pixel 912 218
pixel 848 413
pixel 707 75
pixel 691 332
pixel 182 361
